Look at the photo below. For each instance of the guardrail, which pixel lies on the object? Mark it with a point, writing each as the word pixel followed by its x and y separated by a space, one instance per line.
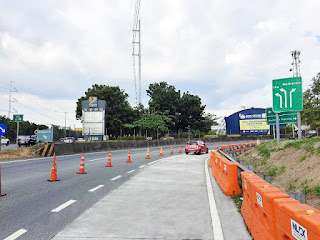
pixel 268 212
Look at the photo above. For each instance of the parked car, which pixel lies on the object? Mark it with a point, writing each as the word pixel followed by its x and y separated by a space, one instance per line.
pixel 26 141
pixel 67 140
pixel 5 141
pixel 196 146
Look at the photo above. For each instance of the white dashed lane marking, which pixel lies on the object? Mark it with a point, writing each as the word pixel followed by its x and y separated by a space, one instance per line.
pixel 62 206
pixel 96 188
pixel 115 178
pixel 16 234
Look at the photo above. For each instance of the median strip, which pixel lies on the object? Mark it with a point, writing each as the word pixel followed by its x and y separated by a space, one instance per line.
pixel 16 234
pixel 115 178
pixel 142 166
pixel 96 188
pixel 131 171
pixel 62 206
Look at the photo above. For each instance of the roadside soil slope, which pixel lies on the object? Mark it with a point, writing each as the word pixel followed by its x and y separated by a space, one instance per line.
pixel 294 166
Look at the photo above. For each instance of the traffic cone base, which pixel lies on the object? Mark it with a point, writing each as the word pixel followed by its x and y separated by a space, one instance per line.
pixel 81 172
pixel 53 180
pixel 3 194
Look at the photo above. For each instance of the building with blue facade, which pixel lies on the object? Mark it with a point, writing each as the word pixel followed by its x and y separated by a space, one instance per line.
pixel 248 122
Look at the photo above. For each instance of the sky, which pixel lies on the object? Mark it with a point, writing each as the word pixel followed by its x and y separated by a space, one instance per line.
pixel 226 52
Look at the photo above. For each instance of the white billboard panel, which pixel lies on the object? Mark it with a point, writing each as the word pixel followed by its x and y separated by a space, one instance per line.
pixel 93 123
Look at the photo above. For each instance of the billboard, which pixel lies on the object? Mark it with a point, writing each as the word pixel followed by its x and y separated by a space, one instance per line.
pixel 93 117
pixel 45 135
pixel 253 123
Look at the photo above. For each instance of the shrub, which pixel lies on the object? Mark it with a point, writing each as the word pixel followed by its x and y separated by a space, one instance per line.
pixel 273 171
pixel 316 190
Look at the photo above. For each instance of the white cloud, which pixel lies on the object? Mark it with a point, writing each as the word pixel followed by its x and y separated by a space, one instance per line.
pixel 227 52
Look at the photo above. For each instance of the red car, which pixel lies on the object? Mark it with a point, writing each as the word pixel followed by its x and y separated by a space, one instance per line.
pixel 196 147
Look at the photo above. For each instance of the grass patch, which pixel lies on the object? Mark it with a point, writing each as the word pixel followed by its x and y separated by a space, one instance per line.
pixel 291 187
pixel 282 169
pixel 305 187
pixel 316 190
pixel 293 144
pixel 238 201
pixel 304 157
pixel 273 171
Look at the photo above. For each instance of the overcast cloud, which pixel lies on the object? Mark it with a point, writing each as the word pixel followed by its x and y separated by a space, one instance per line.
pixel 227 52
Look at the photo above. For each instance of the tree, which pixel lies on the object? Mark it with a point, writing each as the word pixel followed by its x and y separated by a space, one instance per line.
pixel 118 110
pixel 190 112
pixel 164 99
pixel 208 120
pixel 311 104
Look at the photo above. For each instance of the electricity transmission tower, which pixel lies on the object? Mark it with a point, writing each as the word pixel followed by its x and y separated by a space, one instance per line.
pixel 136 53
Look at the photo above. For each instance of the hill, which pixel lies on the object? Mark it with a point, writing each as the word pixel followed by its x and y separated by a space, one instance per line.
pixel 294 166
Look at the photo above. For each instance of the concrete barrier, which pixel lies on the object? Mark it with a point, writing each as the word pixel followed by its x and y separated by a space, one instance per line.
pixel 74 148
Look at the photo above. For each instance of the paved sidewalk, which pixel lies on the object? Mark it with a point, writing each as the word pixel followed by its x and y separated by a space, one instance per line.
pixel 165 200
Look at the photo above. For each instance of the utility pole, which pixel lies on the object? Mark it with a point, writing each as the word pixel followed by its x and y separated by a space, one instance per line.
pixel 138 98
pixel 10 91
pixel 65 122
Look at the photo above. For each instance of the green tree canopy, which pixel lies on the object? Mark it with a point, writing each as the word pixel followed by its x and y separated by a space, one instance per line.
pixel 311 104
pixel 118 111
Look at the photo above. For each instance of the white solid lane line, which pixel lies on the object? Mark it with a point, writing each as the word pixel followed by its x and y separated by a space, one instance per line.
pixel 96 188
pixel 116 178
pixel 153 162
pixel 62 206
pixel 215 219
pixel 98 159
pixel 131 171
pixel 142 166
pixel 16 234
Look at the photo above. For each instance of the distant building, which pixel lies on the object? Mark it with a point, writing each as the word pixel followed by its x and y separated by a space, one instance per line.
pixel 247 122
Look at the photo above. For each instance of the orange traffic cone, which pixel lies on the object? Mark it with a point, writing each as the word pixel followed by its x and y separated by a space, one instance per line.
pixel 180 149
pixel 217 145
pixel 1 194
pixel 129 157
pixel 54 176
pixel 171 152
pixel 148 154
pixel 161 152
pixel 109 160
pixel 81 169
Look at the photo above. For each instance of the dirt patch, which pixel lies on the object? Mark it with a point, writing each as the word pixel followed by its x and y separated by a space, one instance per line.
pixel 292 169
pixel 17 154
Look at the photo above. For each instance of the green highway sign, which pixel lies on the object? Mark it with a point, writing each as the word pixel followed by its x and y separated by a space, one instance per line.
pixel 287 94
pixel 284 117
pixel 17 117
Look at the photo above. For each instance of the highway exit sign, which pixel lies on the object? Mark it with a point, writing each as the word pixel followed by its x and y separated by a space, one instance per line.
pixel 287 94
pixel 284 117
pixel 17 117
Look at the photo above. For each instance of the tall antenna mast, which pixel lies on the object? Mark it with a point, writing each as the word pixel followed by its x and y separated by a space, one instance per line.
pixel 295 63
pixel 137 28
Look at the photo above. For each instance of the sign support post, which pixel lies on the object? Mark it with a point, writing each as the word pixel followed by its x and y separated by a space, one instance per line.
pixel 299 126
pixel 278 128
pixel 17 133
pixel 274 131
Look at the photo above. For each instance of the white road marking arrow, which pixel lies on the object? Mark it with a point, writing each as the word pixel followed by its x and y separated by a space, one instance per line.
pixel 293 90
pixel 285 97
pixel 278 95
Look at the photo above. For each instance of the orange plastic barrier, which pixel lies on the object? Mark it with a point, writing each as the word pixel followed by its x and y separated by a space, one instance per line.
pixel 296 221
pixel 216 165
pixel 226 174
pixel 211 158
pixel 247 207
pixel 264 219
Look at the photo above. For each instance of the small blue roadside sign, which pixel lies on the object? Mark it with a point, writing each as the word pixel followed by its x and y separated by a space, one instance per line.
pixel 3 129
pixel 45 135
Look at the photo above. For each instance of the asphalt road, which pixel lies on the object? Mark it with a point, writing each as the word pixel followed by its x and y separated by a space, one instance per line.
pixel 31 198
